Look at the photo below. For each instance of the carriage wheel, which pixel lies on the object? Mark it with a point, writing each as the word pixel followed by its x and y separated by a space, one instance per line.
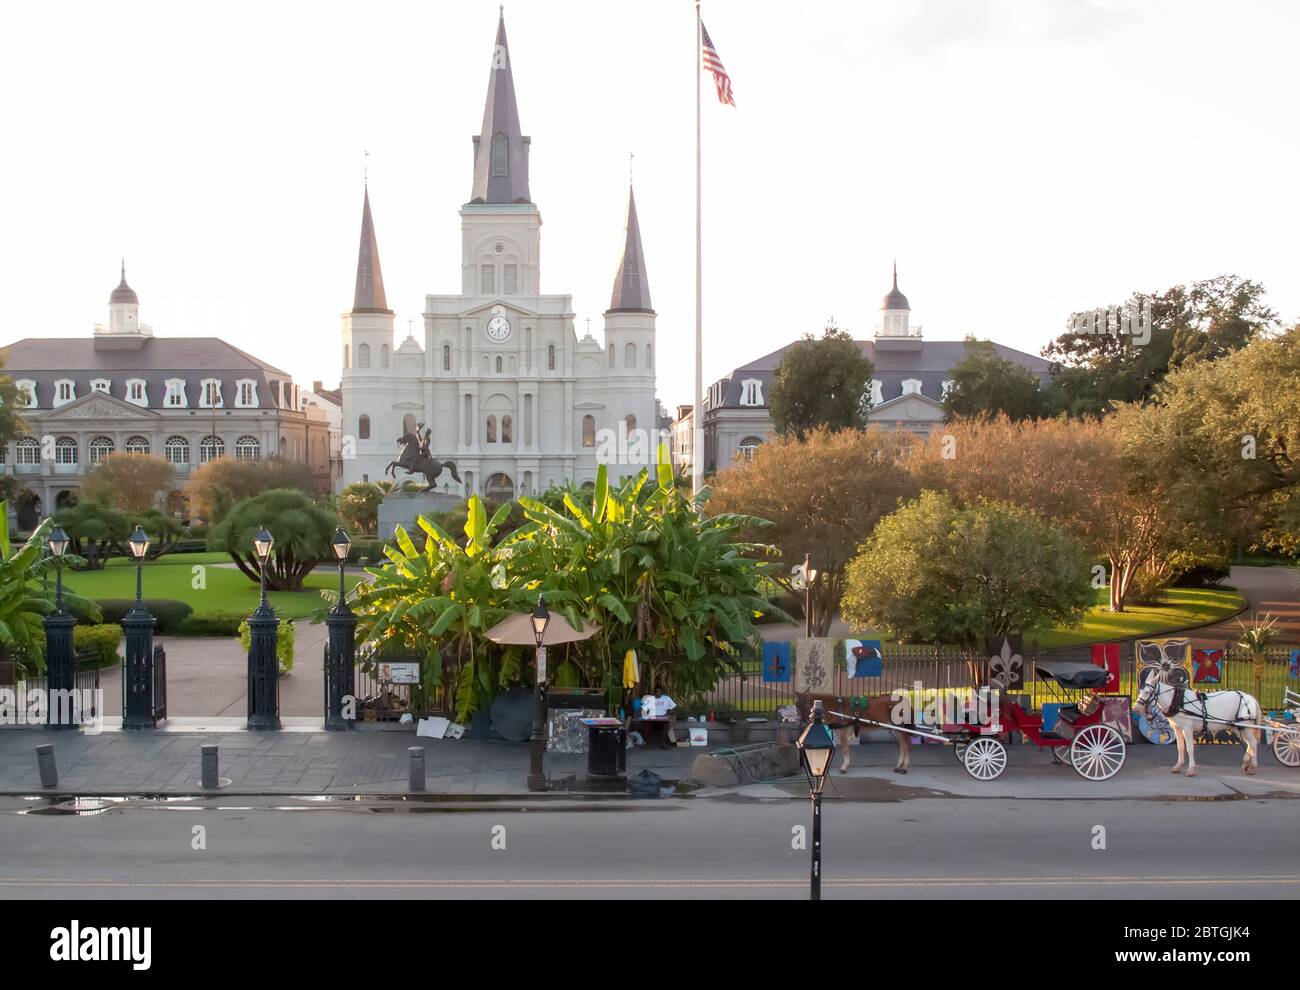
pixel 959 751
pixel 985 758
pixel 1286 747
pixel 1061 756
pixel 1098 752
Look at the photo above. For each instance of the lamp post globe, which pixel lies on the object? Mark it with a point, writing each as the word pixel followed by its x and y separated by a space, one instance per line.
pixel 816 750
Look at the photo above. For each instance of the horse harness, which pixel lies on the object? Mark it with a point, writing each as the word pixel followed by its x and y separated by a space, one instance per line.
pixel 1178 704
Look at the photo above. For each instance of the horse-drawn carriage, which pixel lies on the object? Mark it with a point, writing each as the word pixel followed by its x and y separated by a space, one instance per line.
pixel 1283 728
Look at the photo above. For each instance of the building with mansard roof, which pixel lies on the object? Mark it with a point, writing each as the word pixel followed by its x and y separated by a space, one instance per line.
pixel 188 400
pixel 906 390
pixel 505 386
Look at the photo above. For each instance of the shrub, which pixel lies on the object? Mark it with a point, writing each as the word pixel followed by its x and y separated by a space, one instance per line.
pixel 283 643
pixel 212 624
pixel 371 550
pixel 102 640
pixel 169 612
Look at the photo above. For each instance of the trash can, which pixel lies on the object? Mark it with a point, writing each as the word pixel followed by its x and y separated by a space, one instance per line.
pixel 606 752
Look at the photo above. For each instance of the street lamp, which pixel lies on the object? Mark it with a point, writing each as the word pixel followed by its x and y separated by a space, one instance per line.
pixel 263 667
pixel 138 688
pixel 61 674
pixel 809 576
pixel 341 668
pixel 541 618
pixel 139 544
pixel 816 750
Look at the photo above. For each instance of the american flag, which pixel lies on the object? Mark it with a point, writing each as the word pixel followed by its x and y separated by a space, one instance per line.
pixel 714 65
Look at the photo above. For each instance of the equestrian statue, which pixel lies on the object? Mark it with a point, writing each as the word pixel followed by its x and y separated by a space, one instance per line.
pixel 416 459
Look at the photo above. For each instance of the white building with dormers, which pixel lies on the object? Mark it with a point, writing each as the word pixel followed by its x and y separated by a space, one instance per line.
pixel 188 400
pixel 512 395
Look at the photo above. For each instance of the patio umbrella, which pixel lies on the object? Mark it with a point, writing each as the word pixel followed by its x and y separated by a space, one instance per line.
pixel 518 631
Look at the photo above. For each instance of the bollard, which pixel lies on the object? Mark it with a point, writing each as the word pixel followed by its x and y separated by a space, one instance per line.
pixel 45 760
pixel 417 767
pixel 208 777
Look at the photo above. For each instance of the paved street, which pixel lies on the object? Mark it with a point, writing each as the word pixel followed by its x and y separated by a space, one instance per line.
pixel 729 847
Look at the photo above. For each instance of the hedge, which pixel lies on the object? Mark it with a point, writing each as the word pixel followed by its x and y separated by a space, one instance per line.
pixel 101 640
pixel 169 612
pixel 211 624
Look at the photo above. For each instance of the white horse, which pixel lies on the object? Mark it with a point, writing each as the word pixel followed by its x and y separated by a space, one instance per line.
pixel 1188 712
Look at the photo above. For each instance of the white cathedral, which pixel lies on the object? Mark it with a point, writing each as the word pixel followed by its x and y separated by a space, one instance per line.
pixel 510 393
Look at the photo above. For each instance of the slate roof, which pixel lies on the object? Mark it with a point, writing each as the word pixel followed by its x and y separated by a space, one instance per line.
pixel 930 362
pixel 47 360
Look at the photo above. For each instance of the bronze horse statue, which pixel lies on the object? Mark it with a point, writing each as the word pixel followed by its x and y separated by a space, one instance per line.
pixel 876 708
pixel 416 459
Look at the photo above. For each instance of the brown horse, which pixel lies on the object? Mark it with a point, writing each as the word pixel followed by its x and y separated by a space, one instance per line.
pixel 875 708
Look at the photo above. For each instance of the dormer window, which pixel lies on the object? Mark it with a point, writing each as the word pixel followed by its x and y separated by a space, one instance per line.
pixel 137 391
pixel 877 391
pixel 911 386
pixel 947 387
pixel 500 155
pixel 176 394
pixel 210 394
pixel 26 389
pixel 751 392
pixel 65 391
pixel 101 385
pixel 245 394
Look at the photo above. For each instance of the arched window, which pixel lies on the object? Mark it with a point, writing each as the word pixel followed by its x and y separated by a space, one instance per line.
pixel 100 447
pixel 491 429
pixel 589 431
pixel 177 450
pixel 65 451
pixel 629 356
pixel 363 356
pixel 446 357
pixel 500 155
pixel 247 449
pixel 507 429
pixel 383 356
pixel 28 451
pixel 363 430
pixel 498 366
pixel 747 448
pixel 611 355
pixel 649 355
pixel 137 445
pixel 210 448
pixel 550 357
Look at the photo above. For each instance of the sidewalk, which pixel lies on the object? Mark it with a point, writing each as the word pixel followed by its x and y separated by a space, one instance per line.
pixel 293 762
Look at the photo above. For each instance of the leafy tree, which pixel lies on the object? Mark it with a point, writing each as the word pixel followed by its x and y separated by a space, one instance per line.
pixel 164 531
pixel 984 382
pixel 131 482
pixel 96 531
pixel 358 503
pixel 301 527
pixel 937 572
pixel 820 382
pixel 219 484
pixel 822 495
pixel 27 594
pixel 12 424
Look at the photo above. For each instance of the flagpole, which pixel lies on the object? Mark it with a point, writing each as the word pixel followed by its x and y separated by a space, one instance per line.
pixel 697 445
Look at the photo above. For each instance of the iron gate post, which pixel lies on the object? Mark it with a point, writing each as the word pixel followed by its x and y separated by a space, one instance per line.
pixel 263 670
pixel 137 671
pixel 340 668
pixel 60 671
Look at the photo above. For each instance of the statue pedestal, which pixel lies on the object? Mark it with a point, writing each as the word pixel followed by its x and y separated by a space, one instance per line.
pixel 404 509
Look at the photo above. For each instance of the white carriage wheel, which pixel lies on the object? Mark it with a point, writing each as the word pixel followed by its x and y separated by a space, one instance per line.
pixel 1061 756
pixel 1098 752
pixel 985 758
pixel 1286 747
pixel 959 751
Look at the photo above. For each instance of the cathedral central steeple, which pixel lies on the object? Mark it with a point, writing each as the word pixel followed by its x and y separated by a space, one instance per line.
pixel 631 286
pixel 501 150
pixel 369 296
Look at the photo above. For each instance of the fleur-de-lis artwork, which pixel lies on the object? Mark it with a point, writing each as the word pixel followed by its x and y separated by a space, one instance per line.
pixel 1167 659
pixel 1007 666
pixel 814 669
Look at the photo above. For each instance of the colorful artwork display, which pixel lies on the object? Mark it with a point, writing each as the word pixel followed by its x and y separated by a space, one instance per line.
pixel 863 658
pixel 777 668
pixel 1208 666
pixel 1295 665
pixel 1153 654
pixel 815 670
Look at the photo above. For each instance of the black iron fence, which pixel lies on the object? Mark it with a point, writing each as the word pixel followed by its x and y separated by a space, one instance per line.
pixel 382 698
pixel 747 695
pixel 18 692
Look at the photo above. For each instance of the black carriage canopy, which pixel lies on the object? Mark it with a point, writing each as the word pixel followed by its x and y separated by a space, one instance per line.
pixel 1072 673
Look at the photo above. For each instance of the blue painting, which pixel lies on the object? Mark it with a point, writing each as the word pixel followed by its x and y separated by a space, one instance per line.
pixel 1295 665
pixel 862 658
pixel 776 663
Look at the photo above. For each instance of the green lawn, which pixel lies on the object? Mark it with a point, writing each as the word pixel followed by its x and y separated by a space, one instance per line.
pixel 226 590
pixel 1182 608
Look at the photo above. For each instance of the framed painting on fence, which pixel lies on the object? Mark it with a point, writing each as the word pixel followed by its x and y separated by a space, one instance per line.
pixel 776 663
pixel 1173 655
pixel 1209 666
pixel 814 671
pixel 863 658
pixel 1107 655
pixel 1293 671
pixel 1006 662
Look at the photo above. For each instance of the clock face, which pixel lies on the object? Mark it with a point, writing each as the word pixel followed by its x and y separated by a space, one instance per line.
pixel 498 329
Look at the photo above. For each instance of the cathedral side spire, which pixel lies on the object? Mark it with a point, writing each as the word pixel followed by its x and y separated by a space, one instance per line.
pixel 369 296
pixel 631 286
pixel 501 150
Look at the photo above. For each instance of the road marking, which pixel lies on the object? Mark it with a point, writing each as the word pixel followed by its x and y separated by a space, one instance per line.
pixel 1273 880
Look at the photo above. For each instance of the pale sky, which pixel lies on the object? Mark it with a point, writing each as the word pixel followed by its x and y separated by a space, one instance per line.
pixel 1021 158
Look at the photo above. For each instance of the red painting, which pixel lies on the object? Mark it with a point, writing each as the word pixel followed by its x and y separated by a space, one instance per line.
pixel 1207 666
pixel 1107 655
